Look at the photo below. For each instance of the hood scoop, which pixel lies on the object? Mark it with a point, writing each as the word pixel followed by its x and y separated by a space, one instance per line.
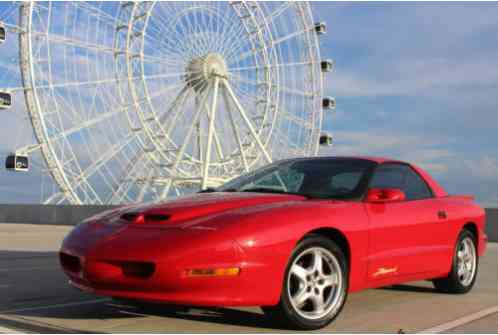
pixel 200 206
pixel 145 218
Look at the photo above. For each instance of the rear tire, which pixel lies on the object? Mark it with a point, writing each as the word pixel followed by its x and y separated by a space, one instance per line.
pixel 464 267
pixel 315 286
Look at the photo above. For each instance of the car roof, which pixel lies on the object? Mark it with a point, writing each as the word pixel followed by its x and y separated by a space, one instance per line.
pixel 368 158
pixel 372 158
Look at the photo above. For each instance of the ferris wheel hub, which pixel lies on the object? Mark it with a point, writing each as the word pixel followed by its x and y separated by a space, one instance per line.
pixel 203 69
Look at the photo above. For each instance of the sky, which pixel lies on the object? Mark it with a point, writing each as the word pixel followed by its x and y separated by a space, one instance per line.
pixel 418 82
pixel 415 81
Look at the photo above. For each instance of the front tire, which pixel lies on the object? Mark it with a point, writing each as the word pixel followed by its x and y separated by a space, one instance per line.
pixel 315 285
pixel 464 268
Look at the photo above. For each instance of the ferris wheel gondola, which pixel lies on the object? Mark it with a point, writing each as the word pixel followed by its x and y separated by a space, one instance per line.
pixel 326 139
pixel 3 33
pixel 17 162
pixel 5 100
pixel 321 28
pixel 328 103
pixel 327 65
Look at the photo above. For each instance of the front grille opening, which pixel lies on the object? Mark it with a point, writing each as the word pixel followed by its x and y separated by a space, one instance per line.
pixel 140 270
pixel 156 217
pixel 69 262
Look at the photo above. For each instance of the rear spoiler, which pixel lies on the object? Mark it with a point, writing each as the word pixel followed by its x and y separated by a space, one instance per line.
pixel 467 197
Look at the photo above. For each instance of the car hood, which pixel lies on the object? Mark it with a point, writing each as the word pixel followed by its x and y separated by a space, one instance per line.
pixel 202 205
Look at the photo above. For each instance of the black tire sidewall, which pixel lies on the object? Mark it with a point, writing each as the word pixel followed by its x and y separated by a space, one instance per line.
pixel 285 305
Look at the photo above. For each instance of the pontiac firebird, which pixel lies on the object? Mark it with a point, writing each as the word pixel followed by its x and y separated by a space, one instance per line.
pixel 294 237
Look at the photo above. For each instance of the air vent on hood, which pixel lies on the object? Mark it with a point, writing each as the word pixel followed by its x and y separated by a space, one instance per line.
pixel 145 218
pixel 129 216
pixel 156 217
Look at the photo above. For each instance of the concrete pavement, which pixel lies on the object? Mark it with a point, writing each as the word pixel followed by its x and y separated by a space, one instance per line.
pixel 35 297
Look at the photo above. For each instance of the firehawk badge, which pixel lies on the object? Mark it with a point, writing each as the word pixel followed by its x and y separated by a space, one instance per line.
pixel 385 271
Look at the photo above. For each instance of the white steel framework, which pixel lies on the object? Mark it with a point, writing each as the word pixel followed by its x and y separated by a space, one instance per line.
pixel 135 101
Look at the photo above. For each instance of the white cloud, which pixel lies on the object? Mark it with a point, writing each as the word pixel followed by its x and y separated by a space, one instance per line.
pixel 382 143
pixel 485 167
pixel 417 77
pixel 435 168
pixel 424 152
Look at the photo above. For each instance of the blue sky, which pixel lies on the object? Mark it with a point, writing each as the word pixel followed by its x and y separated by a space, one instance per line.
pixel 418 82
pixel 413 81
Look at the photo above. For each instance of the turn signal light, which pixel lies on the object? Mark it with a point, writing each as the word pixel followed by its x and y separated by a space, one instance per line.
pixel 215 272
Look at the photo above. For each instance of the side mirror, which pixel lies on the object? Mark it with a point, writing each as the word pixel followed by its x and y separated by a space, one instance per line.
pixel 385 195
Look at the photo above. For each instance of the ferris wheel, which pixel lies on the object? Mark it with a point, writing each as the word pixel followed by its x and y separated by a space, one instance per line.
pixel 135 101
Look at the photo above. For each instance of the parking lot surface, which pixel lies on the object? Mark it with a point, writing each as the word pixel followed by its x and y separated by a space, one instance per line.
pixel 35 297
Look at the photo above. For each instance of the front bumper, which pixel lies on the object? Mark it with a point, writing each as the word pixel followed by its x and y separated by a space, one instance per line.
pixel 159 262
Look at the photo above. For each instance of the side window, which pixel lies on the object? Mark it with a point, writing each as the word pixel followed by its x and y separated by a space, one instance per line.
pixel 388 176
pixel 346 181
pixel 415 187
pixel 402 177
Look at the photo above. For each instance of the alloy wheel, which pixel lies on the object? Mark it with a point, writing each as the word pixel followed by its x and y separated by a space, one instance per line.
pixel 315 283
pixel 466 261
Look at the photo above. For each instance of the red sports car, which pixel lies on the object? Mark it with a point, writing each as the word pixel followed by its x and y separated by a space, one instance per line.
pixel 294 237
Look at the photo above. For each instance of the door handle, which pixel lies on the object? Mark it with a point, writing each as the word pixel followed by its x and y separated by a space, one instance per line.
pixel 442 215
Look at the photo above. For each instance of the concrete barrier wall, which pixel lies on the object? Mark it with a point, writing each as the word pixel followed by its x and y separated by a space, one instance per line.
pixel 492 224
pixel 48 214
pixel 71 215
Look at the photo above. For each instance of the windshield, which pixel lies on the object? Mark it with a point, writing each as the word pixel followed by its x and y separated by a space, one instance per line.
pixel 336 178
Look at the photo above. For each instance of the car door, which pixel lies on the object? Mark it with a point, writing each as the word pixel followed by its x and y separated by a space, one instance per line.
pixel 401 233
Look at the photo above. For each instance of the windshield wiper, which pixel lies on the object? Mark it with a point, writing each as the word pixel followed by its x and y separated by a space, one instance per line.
pixel 208 190
pixel 256 190
pixel 270 190
pixel 213 190
pixel 263 190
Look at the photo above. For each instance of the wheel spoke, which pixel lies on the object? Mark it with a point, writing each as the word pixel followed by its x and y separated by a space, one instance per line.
pixel 468 258
pixel 465 248
pixel 317 301
pixel 212 117
pixel 299 272
pixel 248 123
pixel 331 280
pixel 235 131
pixel 317 262
pixel 301 297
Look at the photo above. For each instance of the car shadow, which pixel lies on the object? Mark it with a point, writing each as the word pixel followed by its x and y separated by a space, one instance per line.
pixel 120 310
pixel 411 288
pixel 219 315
